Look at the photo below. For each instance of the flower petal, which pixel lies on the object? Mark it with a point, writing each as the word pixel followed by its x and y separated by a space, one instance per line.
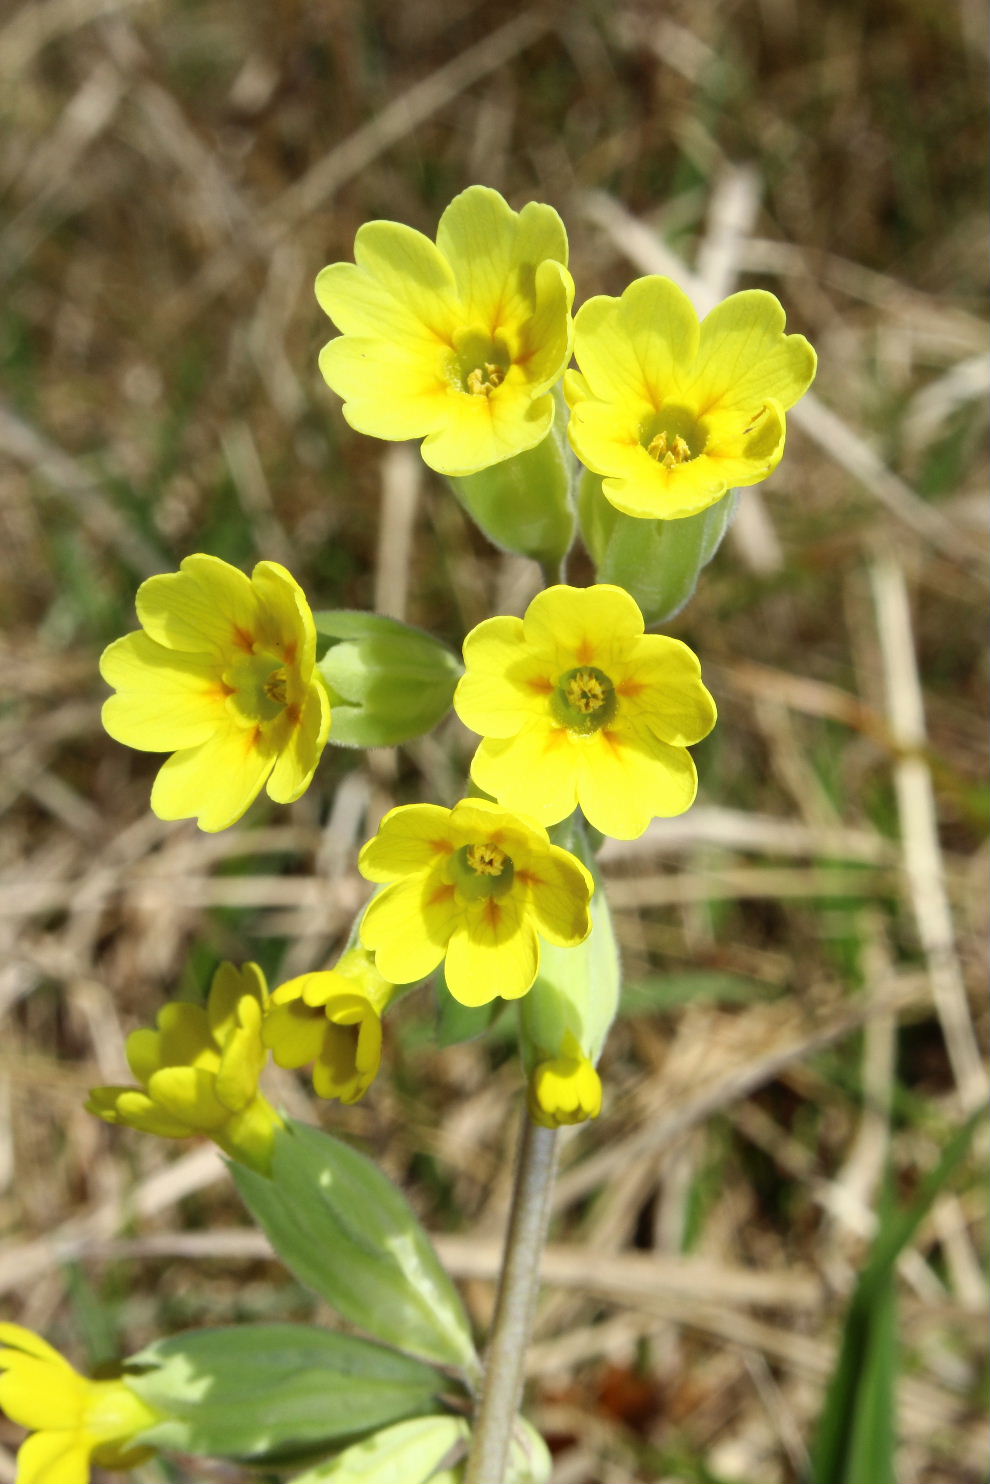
pixel 189 1094
pixel 55 1458
pixel 637 348
pixel 287 626
pixel 494 252
pixel 411 838
pixel 560 890
pixel 166 699
pixel 506 684
pixel 480 431
pixel 388 391
pixel 300 754
pixel 293 1033
pixel 399 289
pixel 134 1109
pixel 216 782
pixel 185 1037
pixel 629 778
pixel 407 926
pixel 494 951
pixel 744 357
pixel 582 625
pixel 534 772
pixel 662 687
pixel 207 606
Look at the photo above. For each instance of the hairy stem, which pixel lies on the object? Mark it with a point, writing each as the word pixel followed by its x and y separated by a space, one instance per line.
pixel 518 1285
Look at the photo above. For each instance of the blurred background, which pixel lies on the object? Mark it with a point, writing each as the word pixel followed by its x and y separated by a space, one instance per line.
pixel 805 951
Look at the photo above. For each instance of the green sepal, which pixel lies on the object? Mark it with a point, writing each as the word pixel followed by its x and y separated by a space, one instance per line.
pixel 577 989
pixel 255 1391
pixel 524 504
pixel 348 1234
pixel 408 1453
pixel 389 682
pixel 658 562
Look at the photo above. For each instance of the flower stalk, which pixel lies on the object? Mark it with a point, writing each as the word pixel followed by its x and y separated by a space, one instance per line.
pixel 518 1285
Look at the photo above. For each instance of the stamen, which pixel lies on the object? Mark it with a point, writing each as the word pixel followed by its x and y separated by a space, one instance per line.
pixel 483 380
pixel 669 451
pixel 275 686
pixel 585 692
pixel 486 860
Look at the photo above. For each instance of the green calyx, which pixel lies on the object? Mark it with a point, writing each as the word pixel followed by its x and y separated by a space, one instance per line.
pixel 584 700
pixel 480 871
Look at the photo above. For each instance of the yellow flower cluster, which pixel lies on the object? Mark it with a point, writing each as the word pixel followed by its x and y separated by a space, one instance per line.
pixel 461 342
pixel 200 1071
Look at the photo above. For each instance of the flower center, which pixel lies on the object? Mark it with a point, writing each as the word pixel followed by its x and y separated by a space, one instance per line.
pixel 483 380
pixel 673 436
pixel 583 700
pixel 482 870
pixel 669 452
pixel 259 688
pixel 480 361
pixel 275 686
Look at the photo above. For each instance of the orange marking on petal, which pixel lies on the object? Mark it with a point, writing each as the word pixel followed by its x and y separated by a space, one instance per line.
pixel 585 651
pixel 631 687
pixel 542 685
pixel 441 847
pixel 289 651
pixel 493 911
pixel 530 878
pixel 612 740
pixel 294 714
pixel 242 639
pixel 442 894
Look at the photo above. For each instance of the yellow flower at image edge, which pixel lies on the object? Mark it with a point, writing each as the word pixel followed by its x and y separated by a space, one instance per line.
pixel 473 887
pixel 458 343
pixel 565 1088
pixel 674 413
pixel 73 1421
pixel 222 674
pixel 199 1072
pixel 578 706
pixel 331 1018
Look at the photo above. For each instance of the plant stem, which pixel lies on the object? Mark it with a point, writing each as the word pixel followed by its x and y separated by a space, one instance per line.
pixel 518 1285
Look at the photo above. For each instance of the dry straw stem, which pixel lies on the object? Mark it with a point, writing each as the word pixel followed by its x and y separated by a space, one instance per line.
pixel 923 862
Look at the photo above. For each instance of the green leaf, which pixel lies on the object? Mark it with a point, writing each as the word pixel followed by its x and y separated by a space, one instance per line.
pixel 263 1390
pixel 351 1236
pixel 408 1453
pixel 389 682
pixel 855 1442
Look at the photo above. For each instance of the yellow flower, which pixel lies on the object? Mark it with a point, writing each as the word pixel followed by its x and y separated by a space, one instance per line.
pixel 565 1089
pixel 578 706
pixel 334 1019
pixel 460 342
pixel 222 674
pixel 674 414
pixel 474 886
pixel 73 1421
pixel 199 1072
